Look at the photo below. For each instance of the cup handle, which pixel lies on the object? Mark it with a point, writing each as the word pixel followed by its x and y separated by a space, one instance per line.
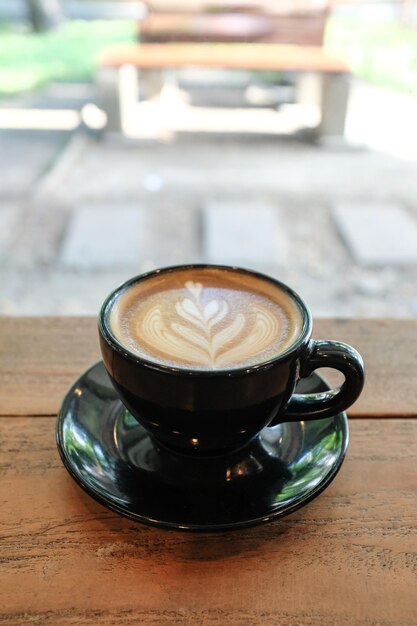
pixel 333 354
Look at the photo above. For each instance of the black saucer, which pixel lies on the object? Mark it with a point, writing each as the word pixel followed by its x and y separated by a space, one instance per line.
pixel 110 455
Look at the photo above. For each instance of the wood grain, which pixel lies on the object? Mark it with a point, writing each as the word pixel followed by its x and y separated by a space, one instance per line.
pixel 348 558
pixel 41 357
pixel 389 351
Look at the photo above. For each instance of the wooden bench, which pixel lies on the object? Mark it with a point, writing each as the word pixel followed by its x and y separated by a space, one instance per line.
pixel 243 25
pixel 203 28
pixel 304 60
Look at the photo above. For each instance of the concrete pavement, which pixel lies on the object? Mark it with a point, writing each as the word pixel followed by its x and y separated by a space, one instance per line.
pixel 78 216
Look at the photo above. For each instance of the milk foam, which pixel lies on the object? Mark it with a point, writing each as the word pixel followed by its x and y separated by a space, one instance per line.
pixel 206 319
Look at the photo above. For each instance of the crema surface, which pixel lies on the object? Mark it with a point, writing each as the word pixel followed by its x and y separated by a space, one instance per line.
pixel 207 319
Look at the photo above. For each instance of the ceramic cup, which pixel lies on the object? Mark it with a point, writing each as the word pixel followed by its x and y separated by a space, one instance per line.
pixel 215 412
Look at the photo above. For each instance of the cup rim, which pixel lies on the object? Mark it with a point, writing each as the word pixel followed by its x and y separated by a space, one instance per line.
pixel 115 344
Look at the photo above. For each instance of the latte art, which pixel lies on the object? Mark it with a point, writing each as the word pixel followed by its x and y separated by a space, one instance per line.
pixel 205 318
pixel 204 340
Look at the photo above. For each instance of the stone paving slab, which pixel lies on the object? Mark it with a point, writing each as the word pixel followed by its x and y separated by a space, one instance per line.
pixel 246 235
pixel 378 234
pixel 101 238
pixel 24 157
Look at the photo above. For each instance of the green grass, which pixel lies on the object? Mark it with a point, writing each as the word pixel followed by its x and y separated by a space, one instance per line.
pixel 29 60
pixel 383 53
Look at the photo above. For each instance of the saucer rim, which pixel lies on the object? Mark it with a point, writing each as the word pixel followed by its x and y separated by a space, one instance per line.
pixel 137 517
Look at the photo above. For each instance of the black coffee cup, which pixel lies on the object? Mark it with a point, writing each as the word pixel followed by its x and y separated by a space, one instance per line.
pixel 215 412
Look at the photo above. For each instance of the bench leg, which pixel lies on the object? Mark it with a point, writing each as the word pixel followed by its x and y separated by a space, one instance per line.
pixel 329 93
pixel 118 93
pixel 308 89
pixel 151 83
pixel 334 102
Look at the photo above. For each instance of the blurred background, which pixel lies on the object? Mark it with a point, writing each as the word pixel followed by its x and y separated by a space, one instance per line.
pixel 303 167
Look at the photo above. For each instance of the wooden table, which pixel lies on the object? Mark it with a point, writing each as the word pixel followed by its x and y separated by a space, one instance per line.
pixel 349 557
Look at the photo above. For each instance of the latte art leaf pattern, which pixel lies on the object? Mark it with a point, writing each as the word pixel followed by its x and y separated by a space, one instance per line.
pixel 201 333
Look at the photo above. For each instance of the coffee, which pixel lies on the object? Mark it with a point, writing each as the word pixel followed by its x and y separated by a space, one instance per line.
pixel 205 318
